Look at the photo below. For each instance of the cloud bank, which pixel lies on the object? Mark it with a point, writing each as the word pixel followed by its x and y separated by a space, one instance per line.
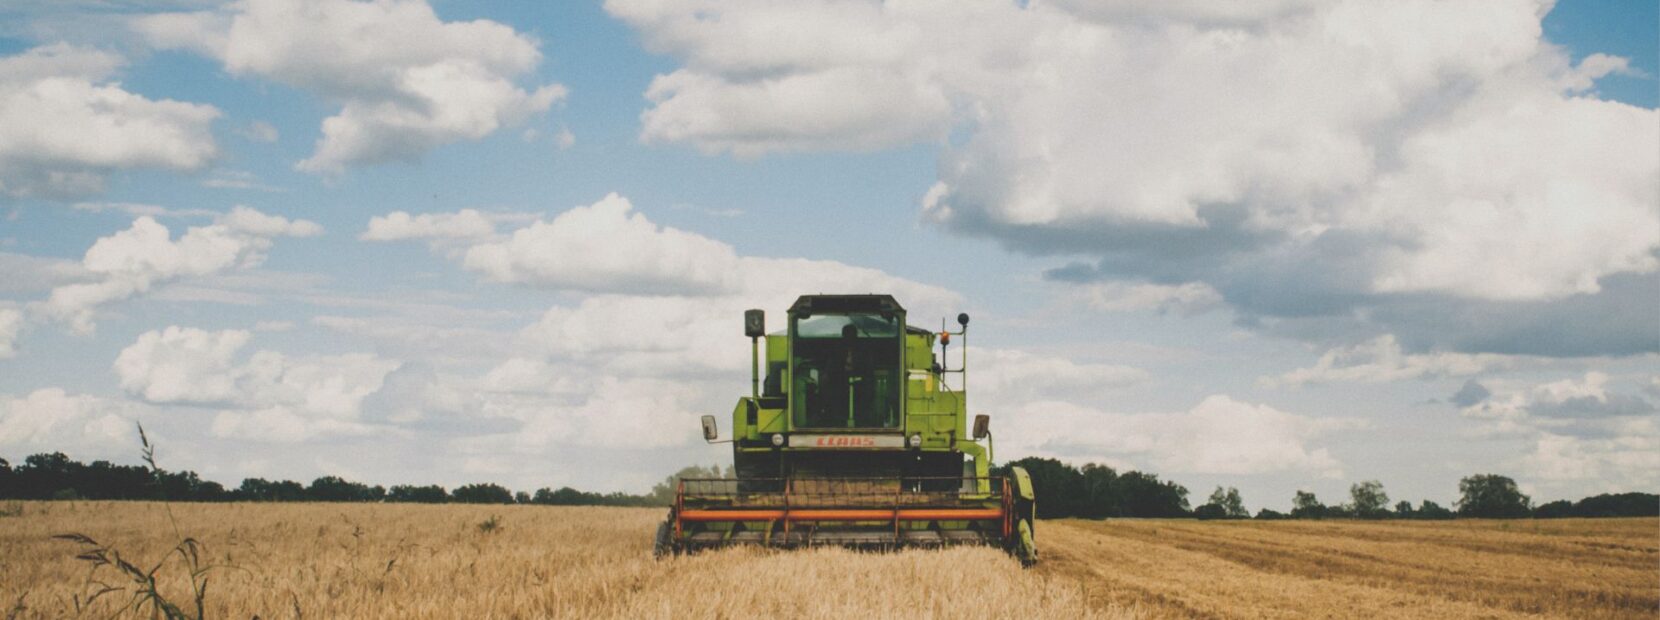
pixel 267 397
pixel 65 124
pixel 406 81
pixel 1574 433
pixel 135 260
pixel 1218 436
pixel 1323 167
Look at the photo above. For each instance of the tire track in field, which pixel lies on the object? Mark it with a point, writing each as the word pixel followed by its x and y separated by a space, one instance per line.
pixel 1529 541
pixel 1521 579
pixel 1163 579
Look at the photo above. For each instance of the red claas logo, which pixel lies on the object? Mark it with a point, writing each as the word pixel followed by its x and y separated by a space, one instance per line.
pixel 845 442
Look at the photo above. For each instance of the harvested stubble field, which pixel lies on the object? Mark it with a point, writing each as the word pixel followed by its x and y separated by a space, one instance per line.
pixel 401 561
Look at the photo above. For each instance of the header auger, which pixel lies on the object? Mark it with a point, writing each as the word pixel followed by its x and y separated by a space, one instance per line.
pixel 855 438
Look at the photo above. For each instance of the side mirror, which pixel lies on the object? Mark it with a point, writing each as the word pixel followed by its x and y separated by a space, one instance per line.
pixel 982 426
pixel 962 319
pixel 755 323
pixel 710 432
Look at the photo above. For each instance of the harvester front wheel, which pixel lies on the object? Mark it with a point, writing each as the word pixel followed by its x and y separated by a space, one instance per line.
pixel 663 545
pixel 1026 548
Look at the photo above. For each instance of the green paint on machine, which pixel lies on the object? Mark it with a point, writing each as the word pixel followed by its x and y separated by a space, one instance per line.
pixel 854 434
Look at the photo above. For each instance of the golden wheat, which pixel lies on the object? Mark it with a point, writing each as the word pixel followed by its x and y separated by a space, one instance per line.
pixel 1604 568
pixel 411 561
pixel 401 561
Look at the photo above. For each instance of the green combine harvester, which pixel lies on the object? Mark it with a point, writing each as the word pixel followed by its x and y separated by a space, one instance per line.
pixel 855 438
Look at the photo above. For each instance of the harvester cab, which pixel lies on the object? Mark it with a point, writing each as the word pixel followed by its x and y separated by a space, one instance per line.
pixel 853 435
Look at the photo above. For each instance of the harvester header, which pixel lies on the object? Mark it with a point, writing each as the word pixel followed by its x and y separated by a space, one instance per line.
pixel 853 435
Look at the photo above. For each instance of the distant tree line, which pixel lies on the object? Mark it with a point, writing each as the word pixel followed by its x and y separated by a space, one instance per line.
pixel 1097 491
pixel 1092 492
pixel 56 476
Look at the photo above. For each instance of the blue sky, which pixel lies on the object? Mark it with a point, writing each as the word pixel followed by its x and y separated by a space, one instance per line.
pixel 1262 246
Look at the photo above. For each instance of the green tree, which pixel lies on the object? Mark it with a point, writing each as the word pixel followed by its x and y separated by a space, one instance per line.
pixel 1227 505
pixel 1370 502
pixel 1431 510
pixel 1554 510
pixel 42 475
pixel 1491 496
pixel 485 493
pixel 256 490
pixel 1235 505
pixel 1059 487
pixel 1101 492
pixel 1144 495
pixel 1304 505
pixel 1618 505
pixel 337 489
pixel 429 494
pixel 565 496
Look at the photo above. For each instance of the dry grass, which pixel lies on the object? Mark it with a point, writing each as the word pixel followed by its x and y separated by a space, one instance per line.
pixel 340 560
pixel 1580 568
pixel 409 561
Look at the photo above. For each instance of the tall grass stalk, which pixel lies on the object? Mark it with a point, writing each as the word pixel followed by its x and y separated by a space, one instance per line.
pixel 143 585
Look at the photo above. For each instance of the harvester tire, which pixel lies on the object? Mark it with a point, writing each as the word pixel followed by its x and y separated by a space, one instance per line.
pixel 1027 546
pixel 663 545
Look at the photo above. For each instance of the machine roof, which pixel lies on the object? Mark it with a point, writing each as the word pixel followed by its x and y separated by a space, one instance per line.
pixel 810 304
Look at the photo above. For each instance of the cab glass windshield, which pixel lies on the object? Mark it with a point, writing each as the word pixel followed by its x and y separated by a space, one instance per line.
pixel 846 371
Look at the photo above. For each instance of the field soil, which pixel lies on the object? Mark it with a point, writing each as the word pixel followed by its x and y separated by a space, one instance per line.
pixel 1568 568
pixel 414 561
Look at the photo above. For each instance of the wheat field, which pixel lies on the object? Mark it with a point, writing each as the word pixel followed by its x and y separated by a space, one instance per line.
pixel 413 561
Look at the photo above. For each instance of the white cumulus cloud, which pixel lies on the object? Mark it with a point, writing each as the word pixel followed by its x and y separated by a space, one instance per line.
pixel 607 246
pixel 611 412
pixel 610 249
pixel 1576 466
pixel 406 81
pixel 1295 157
pixel 1189 298
pixel 134 260
pixel 65 124
pixel 651 335
pixel 399 225
pixel 50 419
pixel 1381 360
pixel 1577 436
pixel 263 396
pixel 1219 435
pixel 1587 399
pixel 11 324
pixel 1008 377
